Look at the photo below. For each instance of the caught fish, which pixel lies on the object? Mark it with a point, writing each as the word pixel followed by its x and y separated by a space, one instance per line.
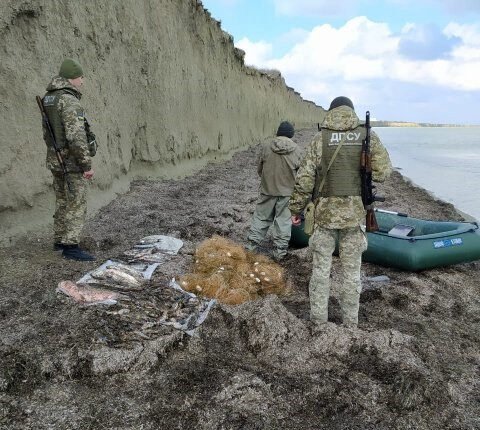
pixel 129 270
pixel 149 255
pixel 117 277
pixel 83 294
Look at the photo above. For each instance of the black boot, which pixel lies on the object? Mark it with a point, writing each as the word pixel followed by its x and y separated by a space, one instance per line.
pixel 57 246
pixel 74 252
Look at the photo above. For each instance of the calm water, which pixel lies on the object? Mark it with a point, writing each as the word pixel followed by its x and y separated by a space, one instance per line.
pixel 445 161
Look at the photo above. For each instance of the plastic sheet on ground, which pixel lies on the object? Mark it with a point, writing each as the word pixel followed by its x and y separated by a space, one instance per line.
pixel 195 319
pixel 154 249
pixel 167 244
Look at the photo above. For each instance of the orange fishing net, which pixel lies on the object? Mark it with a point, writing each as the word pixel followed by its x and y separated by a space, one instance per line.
pixel 227 272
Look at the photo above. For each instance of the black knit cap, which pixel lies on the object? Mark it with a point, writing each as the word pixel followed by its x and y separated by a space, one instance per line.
pixel 341 101
pixel 285 129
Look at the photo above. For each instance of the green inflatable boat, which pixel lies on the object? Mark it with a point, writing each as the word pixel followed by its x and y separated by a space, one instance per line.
pixel 414 244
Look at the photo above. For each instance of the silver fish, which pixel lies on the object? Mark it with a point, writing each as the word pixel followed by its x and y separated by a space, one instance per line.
pixel 118 277
pixel 129 270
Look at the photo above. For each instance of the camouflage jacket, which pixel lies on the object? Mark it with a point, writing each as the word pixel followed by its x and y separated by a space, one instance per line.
pixel 74 149
pixel 336 212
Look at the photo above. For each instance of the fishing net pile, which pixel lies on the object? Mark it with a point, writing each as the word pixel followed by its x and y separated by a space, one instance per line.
pixel 225 271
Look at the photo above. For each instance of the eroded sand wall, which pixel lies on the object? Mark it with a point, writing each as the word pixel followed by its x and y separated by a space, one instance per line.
pixel 166 92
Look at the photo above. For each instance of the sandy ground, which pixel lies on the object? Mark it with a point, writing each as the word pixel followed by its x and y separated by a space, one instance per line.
pixel 413 363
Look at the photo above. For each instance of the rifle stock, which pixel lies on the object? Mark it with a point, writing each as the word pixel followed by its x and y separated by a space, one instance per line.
pixel 371 221
pixel 58 154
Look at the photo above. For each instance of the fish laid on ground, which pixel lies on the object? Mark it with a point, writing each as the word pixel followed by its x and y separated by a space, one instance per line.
pixel 149 255
pixel 86 295
pixel 129 270
pixel 116 276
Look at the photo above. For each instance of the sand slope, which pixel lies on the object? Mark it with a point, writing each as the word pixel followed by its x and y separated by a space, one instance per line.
pixel 165 91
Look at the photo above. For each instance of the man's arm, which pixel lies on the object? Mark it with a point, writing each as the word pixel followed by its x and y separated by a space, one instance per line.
pixel 74 124
pixel 260 159
pixel 305 179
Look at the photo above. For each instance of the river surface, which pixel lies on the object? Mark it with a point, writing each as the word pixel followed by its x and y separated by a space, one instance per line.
pixel 443 160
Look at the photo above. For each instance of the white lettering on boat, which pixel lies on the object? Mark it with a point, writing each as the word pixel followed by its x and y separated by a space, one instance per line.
pixel 445 243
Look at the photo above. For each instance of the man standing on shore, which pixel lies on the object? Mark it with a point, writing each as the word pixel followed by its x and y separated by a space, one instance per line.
pixel 334 162
pixel 68 124
pixel 277 165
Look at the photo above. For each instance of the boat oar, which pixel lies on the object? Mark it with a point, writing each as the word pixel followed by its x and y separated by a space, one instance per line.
pixel 391 212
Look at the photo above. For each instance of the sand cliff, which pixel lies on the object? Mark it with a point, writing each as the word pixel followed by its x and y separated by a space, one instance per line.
pixel 166 91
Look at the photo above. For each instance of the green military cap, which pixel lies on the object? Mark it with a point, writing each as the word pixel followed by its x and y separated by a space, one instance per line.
pixel 70 69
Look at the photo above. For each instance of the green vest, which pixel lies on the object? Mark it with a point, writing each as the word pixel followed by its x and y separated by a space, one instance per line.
pixel 50 103
pixel 343 178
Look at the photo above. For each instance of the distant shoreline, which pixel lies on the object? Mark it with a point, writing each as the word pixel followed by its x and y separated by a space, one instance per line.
pixel 416 124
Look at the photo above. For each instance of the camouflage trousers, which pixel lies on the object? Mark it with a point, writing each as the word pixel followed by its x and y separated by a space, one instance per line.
pixel 352 242
pixel 272 210
pixel 70 208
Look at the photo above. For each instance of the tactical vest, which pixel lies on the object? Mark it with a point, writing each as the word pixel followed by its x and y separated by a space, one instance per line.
pixel 50 103
pixel 343 178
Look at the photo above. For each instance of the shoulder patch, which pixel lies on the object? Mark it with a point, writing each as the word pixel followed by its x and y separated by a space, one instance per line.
pixel 48 100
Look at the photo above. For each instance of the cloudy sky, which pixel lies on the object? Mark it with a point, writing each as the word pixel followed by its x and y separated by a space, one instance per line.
pixel 404 60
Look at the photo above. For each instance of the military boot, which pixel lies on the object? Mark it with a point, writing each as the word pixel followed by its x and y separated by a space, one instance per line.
pixel 74 252
pixel 57 246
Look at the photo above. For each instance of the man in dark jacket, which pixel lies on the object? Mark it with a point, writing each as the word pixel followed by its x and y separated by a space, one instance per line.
pixel 277 165
pixel 68 123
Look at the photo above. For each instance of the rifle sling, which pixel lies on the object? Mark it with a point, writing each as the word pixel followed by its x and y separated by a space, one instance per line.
pixel 318 187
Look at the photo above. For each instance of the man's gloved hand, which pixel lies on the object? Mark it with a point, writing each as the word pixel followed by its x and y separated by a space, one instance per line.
pixel 296 220
pixel 89 174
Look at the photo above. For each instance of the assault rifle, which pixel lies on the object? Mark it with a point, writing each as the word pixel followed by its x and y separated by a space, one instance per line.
pixel 54 142
pixel 369 196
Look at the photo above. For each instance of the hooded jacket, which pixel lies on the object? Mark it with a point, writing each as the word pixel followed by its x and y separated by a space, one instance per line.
pixel 336 212
pixel 278 162
pixel 67 118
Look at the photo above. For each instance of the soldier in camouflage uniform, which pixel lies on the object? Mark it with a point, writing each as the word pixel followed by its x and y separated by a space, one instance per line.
pixel 339 212
pixel 68 123
pixel 277 165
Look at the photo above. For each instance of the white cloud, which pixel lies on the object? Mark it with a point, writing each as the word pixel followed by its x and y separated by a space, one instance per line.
pixel 353 52
pixel 365 61
pixel 363 50
pixel 470 36
pixel 256 53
